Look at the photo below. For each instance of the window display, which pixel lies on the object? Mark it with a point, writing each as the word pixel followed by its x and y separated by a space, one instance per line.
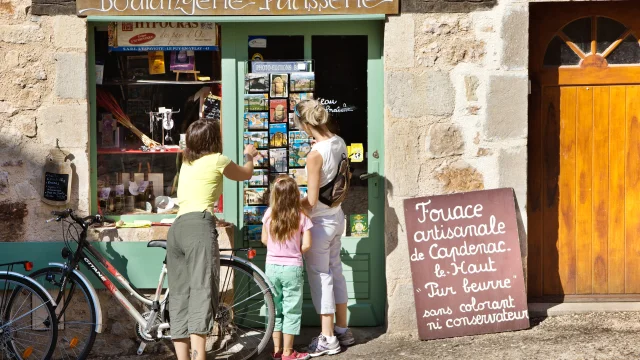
pixel 143 111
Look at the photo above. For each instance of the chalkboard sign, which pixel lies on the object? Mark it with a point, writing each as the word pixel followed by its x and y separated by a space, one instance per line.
pixel 212 106
pixel 56 186
pixel 465 264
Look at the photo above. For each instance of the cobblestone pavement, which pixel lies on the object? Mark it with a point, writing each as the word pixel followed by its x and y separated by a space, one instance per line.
pixel 596 336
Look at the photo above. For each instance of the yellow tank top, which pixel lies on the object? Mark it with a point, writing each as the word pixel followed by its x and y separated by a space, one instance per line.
pixel 200 183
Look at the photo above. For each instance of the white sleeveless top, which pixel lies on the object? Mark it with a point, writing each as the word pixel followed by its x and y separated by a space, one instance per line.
pixel 331 151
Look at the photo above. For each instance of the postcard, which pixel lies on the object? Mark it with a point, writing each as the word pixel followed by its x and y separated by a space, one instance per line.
pixel 303 192
pixel 302 81
pixel 256 196
pixel 256 102
pixel 259 139
pixel 256 83
pixel 292 122
pixel 295 98
pixel 262 160
pixel 299 148
pixel 278 160
pixel 278 135
pixel 278 111
pixel 299 175
pixel 253 232
pixel 256 121
pixel 279 85
pixel 260 178
pixel 253 214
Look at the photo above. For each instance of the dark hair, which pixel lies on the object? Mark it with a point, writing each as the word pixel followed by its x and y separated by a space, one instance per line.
pixel 203 138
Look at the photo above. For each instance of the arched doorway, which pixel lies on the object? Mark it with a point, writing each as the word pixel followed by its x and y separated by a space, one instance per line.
pixel 584 152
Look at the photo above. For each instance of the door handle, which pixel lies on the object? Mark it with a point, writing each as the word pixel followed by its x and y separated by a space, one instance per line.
pixel 366 176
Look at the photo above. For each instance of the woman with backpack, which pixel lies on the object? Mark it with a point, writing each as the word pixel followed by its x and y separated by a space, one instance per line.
pixel 325 164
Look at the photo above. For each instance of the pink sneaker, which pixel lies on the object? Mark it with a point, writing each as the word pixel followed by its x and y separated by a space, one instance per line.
pixel 296 356
pixel 276 356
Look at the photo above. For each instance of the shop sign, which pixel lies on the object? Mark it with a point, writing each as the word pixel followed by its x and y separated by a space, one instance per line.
pixel 235 7
pixel 465 264
pixel 162 36
pixel 280 66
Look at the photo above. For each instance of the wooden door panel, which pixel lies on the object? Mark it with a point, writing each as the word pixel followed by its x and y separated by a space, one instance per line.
pixel 566 229
pixel 617 150
pixel 550 192
pixel 600 194
pixel 535 194
pixel 632 191
pixel 584 178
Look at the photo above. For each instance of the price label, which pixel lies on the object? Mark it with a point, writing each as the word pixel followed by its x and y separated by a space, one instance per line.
pixel 356 152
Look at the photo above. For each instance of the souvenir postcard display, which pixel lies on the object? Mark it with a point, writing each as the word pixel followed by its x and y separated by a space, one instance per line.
pixel 269 105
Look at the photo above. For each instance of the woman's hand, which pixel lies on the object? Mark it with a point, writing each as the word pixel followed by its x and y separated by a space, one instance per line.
pixel 251 151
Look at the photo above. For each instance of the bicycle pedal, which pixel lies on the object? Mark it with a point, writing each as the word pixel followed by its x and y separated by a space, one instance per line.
pixel 141 348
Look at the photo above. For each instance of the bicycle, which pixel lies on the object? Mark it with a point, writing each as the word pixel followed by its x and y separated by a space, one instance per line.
pixel 241 331
pixel 28 327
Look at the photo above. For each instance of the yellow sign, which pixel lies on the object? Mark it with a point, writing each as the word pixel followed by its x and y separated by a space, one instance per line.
pixel 356 152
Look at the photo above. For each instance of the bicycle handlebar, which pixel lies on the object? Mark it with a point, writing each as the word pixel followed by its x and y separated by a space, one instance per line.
pixel 97 219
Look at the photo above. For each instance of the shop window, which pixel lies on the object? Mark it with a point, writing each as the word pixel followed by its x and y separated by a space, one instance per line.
pixel 145 102
pixel 574 44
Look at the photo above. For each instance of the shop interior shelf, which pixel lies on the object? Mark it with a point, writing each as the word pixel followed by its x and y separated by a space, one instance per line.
pixel 136 151
pixel 157 82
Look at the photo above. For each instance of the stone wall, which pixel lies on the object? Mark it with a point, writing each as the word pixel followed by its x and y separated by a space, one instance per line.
pixel 455 120
pixel 43 97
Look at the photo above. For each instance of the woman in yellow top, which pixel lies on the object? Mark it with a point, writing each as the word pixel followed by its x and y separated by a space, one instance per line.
pixel 192 244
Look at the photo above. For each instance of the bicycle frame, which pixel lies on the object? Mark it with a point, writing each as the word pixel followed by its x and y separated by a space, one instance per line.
pixel 81 257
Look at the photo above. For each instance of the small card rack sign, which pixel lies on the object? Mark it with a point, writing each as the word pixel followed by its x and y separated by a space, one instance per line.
pixel 465 264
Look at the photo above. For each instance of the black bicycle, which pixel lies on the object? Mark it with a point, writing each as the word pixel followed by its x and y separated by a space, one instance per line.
pixel 243 324
pixel 28 326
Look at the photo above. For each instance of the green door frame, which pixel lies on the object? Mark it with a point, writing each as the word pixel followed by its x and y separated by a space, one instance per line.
pixel 366 254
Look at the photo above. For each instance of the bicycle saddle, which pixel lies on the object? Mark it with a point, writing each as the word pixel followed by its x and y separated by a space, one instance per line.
pixel 157 243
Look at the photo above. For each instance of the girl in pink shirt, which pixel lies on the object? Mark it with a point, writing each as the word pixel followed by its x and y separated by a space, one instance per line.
pixel 284 224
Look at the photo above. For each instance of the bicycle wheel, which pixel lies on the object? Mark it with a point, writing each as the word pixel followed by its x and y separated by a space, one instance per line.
pixel 246 313
pixel 28 328
pixel 75 313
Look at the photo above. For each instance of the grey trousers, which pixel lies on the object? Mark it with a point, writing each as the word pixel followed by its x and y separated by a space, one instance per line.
pixel 193 268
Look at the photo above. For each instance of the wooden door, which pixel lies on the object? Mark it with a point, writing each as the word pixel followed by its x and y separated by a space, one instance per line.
pixel 584 154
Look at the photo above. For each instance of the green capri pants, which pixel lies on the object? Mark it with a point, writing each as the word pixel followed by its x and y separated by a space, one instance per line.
pixel 193 268
pixel 287 282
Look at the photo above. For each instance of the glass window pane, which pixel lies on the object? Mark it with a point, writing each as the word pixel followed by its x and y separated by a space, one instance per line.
pixel 628 52
pixel 341 82
pixel 559 53
pixel 133 87
pixel 579 31
pixel 609 31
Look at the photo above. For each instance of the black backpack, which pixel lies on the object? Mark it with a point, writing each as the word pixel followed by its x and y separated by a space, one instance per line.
pixel 334 193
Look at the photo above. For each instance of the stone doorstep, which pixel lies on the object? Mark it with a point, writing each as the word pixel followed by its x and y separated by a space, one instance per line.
pixel 557 309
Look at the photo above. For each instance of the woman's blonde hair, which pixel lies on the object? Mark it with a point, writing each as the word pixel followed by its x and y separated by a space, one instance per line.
pixel 286 208
pixel 310 112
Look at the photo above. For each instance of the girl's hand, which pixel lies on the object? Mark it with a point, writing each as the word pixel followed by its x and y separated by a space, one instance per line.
pixel 250 150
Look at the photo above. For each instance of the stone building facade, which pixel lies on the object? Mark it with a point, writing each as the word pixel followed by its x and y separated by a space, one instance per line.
pixel 456 115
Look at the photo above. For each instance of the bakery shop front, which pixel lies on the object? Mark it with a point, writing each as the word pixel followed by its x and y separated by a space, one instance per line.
pixel 156 66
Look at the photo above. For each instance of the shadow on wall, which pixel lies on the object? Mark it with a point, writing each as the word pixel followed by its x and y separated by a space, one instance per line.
pixel 22 213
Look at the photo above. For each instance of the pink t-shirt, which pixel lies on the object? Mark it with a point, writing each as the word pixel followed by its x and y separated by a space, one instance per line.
pixel 288 252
